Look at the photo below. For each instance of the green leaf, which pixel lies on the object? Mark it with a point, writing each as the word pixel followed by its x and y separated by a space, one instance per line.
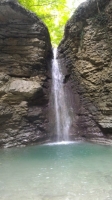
pixel 54 13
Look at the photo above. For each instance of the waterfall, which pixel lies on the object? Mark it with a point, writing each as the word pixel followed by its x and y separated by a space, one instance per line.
pixel 61 110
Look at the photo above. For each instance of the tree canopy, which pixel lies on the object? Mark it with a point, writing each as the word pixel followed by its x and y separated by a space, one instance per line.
pixel 54 13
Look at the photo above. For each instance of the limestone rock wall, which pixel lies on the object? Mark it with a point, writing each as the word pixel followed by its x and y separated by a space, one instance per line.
pixel 86 50
pixel 25 50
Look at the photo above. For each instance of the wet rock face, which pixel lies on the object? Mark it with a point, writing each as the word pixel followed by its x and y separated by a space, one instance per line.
pixel 25 50
pixel 87 51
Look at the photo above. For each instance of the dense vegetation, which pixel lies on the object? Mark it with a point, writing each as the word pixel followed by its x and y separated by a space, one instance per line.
pixel 54 13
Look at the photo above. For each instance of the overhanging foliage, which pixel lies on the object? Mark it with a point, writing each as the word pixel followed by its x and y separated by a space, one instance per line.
pixel 54 13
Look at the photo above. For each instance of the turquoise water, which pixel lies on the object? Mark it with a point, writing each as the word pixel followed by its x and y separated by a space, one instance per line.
pixel 77 171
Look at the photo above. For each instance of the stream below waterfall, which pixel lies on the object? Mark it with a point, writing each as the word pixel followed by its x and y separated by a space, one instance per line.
pixel 75 171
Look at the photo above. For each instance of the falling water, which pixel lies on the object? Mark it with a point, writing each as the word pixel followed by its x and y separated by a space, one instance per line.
pixel 62 118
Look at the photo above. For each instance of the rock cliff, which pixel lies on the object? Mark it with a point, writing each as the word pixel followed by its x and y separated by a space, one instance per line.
pixel 86 50
pixel 25 50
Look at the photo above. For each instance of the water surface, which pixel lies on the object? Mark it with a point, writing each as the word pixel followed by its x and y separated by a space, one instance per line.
pixel 76 171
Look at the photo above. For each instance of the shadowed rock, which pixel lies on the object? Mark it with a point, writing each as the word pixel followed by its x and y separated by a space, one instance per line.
pixel 25 51
pixel 86 50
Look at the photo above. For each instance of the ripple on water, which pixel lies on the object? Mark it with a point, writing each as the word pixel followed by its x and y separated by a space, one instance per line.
pixel 76 171
pixel 64 143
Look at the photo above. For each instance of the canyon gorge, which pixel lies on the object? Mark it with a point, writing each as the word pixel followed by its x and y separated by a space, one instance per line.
pixel 26 55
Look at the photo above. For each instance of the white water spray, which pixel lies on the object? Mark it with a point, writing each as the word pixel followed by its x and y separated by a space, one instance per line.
pixel 62 118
